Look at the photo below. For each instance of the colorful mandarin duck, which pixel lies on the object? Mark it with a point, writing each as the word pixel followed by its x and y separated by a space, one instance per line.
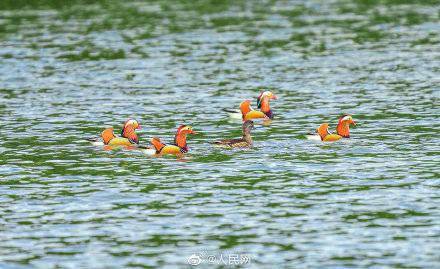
pixel 262 103
pixel 244 142
pixel 128 135
pixel 342 130
pixel 178 148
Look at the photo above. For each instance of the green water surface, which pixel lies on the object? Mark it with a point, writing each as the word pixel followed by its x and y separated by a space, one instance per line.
pixel 68 69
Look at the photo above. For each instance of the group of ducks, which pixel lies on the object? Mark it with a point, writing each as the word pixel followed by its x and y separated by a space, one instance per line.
pixel 129 138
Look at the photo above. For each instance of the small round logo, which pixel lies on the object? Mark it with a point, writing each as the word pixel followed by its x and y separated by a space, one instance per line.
pixel 194 260
pixel 211 259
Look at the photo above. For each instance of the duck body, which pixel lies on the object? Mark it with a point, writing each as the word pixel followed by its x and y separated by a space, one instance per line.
pixel 120 141
pixel 244 142
pixel 247 113
pixel 234 143
pixel 331 138
pixel 255 114
pixel 328 138
pixel 251 115
pixel 171 150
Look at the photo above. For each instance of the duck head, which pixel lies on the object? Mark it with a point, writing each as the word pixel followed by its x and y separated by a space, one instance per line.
pixel 343 128
pixel 129 130
pixel 180 138
pixel 247 127
pixel 264 99
pixel 133 123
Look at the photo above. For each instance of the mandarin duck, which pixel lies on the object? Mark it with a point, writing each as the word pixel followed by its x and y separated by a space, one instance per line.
pixel 178 148
pixel 128 135
pixel 263 103
pixel 342 130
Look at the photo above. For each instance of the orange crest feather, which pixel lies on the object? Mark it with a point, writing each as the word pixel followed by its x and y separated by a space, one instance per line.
pixel 323 130
pixel 107 135
pixel 245 107
pixel 158 145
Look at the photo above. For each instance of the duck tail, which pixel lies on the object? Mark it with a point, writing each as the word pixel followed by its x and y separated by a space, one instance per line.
pixel 230 110
pixel 144 147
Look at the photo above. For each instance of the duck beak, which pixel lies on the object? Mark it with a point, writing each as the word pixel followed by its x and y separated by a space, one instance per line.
pixel 353 122
pixel 192 132
pixel 274 97
pixel 139 127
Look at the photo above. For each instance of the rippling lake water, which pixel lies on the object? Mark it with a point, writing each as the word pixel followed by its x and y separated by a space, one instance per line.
pixel 69 70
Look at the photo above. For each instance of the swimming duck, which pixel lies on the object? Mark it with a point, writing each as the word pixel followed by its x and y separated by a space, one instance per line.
pixel 128 135
pixel 244 142
pixel 263 101
pixel 342 130
pixel 179 147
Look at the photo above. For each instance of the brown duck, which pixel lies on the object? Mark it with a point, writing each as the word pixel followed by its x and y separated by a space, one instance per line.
pixel 244 142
